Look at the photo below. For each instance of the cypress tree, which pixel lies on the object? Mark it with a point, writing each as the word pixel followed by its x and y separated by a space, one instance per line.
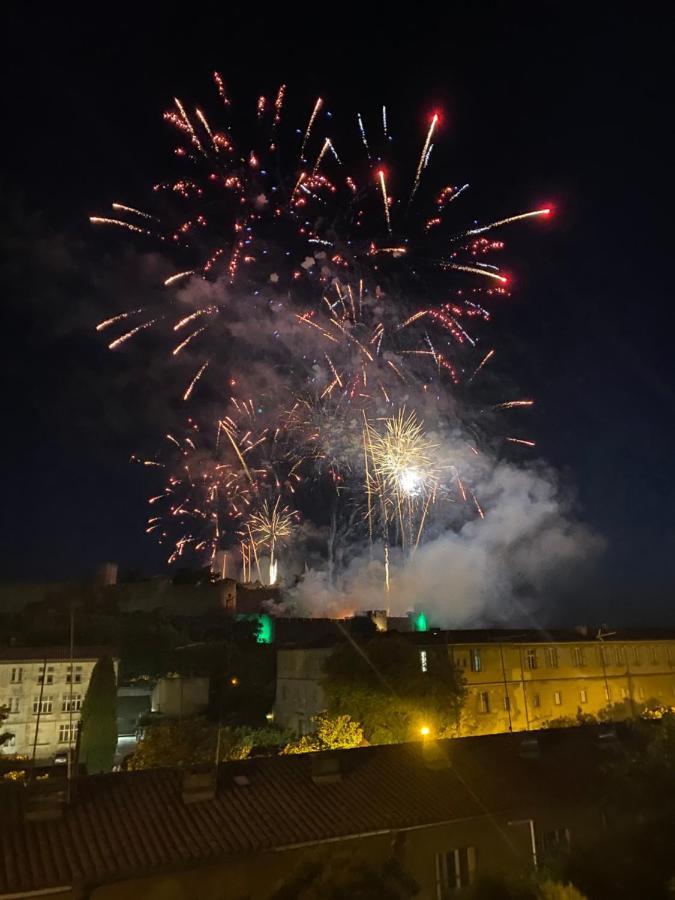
pixel 98 722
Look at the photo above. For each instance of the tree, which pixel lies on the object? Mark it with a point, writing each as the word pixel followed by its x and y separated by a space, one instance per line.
pixel 193 741
pixel 331 733
pixel 387 686
pixel 175 743
pixel 345 878
pixel 634 858
pixel 643 775
pixel 98 723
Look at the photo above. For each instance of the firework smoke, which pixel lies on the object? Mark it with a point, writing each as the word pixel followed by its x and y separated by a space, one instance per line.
pixel 502 567
pixel 327 321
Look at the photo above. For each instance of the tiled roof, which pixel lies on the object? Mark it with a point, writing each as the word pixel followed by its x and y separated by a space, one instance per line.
pixel 497 636
pixel 128 824
pixel 21 654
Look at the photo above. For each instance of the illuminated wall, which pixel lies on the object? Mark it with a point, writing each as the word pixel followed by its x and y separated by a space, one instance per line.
pixel 516 687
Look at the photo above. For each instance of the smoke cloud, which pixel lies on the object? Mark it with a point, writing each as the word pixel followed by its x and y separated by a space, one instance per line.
pixel 509 565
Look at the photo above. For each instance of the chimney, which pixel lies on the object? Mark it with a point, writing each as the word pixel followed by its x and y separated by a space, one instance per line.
pixel 436 756
pixel 607 737
pixel 377 616
pixel 529 748
pixel 325 768
pixel 199 785
pixel 106 574
pixel 227 592
pixel 45 800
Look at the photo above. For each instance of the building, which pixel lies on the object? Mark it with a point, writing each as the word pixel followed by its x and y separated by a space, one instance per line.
pixel 43 694
pixel 448 811
pixel 516 680
pixel 180 696
pixel 299 695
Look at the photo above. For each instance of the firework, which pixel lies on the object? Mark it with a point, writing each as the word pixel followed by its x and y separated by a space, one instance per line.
pixel 403 472
pixel 301 234
pixel 215 479
pixel 269 528
pixel 403 456
pixel 316 276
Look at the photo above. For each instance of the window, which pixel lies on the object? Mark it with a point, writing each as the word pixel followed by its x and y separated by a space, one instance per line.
pixel 654 656
pixel 536 701
pixel 10 742
pixel 50 675
pixel 77 679
pixel 583 695
pixel 423 660
pixel 507 703
pixel 17 675
pixel 604 656
pixel 641 693
pixel 476 663
pixel 76 705
pixel 578 656
pixel 67 734
pixel 44 706
pixel 455 869
pixel 484 701
pixel 557 698
pixel 12 704
pixel 624 693
pixel 531 658
pixel 608 693
pixel 552 657
pixel 636 656
pixel 620 656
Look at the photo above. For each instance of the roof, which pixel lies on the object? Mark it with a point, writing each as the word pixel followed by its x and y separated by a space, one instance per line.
pixel 26 654
pixel 502 636
pixel 546 636
pixel 129 824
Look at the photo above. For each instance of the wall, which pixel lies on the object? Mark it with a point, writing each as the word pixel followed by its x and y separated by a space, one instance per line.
pixel 502 844
pixel 259 877
pixel 299 695
pixel 529 686
pixel 515 686
pixel 26 693
pixel 180 696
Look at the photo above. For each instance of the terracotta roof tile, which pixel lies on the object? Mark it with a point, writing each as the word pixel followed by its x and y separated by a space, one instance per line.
pixel 127 824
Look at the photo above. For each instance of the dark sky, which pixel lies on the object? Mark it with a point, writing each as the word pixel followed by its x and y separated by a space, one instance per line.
pixel 557 104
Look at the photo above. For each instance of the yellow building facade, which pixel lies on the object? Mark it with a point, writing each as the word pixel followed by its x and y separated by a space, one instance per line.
pixel 513 684
pixel 531 685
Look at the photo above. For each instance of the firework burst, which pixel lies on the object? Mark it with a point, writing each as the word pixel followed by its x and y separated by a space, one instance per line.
pixel 403 472
pixel 361 287
pixel 268 528
pixel 390 283
pixel 215 479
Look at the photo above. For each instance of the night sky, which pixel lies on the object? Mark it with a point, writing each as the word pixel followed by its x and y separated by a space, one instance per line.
pixel 558 105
